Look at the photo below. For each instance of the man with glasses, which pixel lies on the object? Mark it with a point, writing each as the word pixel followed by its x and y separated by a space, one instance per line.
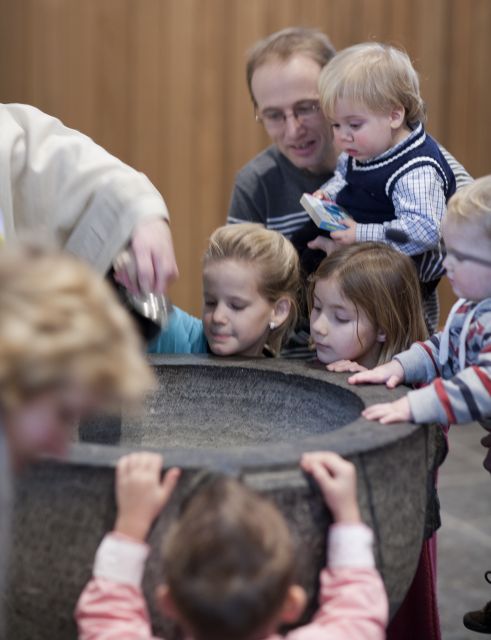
pixel 282 74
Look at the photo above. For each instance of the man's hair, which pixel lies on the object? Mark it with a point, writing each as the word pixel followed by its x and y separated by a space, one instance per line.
pixel 272 256
pixel 286 43
pixel 376 76
pixel 228 561
pixel 61 324
pixel 383 284
pixel 472 204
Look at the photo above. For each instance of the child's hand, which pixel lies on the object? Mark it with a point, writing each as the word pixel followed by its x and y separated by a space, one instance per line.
pixel 336 478
pixel 347 236
pixel 140 493
pixel 341 366
pixel 390 373
pixel 389 412
pixel 322 244
pixel 319 194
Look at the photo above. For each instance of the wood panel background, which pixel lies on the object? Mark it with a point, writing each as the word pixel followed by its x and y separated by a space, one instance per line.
pixel 161 84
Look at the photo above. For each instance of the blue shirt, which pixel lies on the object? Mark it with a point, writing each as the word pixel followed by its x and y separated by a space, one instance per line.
pixel 183 334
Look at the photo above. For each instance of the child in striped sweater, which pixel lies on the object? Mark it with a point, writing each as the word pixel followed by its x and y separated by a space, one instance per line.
pixel 455 364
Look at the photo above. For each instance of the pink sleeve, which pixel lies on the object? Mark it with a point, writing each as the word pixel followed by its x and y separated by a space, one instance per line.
pixel 353 602
pixel 112 606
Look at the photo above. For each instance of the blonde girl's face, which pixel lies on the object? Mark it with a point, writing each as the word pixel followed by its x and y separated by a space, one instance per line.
pixel 235 315
pixel 339 330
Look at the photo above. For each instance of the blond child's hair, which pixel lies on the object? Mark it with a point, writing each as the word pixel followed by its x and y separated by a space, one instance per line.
pixel 61 324
pixel 275 260
pixel 383 283
pixel 229 561
pixel 472 204
pixel 376 76
pixel 283 44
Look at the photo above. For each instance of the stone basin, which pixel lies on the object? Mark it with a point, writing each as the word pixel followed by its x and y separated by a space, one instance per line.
pixel 249 418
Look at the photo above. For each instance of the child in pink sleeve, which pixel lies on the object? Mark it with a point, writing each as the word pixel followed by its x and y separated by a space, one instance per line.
pixel 210 591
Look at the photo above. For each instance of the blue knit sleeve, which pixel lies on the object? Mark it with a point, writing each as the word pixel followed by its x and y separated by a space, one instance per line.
pixel 183 334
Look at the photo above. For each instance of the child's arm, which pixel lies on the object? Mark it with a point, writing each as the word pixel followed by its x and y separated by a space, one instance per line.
pixel 463 398
pixel 419 206
pixel 391 374
pixel 353 603
pixel 112 604
pixel 333 186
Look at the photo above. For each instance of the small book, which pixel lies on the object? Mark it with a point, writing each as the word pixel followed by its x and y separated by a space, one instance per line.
pixel 326 214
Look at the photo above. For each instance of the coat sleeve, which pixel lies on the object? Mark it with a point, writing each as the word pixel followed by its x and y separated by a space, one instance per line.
pixel 66 186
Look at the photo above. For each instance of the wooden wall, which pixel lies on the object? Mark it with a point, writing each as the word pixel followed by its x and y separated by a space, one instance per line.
pixel 160 83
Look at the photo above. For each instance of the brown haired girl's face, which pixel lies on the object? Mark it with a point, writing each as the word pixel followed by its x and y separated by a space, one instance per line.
pixel 339 330
pixel 236 316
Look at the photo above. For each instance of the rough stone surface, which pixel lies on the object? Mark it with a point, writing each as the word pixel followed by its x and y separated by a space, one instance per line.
pixel 248 418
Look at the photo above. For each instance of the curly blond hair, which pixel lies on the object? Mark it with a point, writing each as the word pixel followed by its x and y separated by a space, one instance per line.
pixel 61 324
pixel 472 205
pixel 374 75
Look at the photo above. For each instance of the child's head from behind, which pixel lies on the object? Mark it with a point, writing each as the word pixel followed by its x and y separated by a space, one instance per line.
pixel 466 232
pixel 250 287
pixel 229 565
pixel 67 347
pixel 365 305
pixel 370 94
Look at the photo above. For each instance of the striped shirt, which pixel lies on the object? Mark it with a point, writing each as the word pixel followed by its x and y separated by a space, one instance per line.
pixel 405 189
pixel 456 365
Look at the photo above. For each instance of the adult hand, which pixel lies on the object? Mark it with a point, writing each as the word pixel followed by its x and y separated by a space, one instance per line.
pixel 390 373
pixel 152 265
pixel 140 493
pixel 336 478
pixel 341 366
pixel 389 412
pixel 348 235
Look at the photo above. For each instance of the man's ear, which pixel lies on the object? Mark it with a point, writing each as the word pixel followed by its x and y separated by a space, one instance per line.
pixel 281 311
pixel 397 117
pixel 165 602
pixel 294 604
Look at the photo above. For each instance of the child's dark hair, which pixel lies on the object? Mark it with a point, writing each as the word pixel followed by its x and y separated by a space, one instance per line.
pixel 383 283
pixel 229 561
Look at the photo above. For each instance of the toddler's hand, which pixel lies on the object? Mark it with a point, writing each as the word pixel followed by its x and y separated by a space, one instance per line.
pixel 341 366
pixel 336 478
pixel 390 373
pixel 140 493
pixel 322 244
pixel 348 235
pixel 319 194
pixel 389 412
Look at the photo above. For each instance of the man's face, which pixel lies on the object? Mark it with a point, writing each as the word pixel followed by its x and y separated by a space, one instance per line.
pixel 282 87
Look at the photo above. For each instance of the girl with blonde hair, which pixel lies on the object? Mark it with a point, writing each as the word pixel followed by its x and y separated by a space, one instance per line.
pixel 251 282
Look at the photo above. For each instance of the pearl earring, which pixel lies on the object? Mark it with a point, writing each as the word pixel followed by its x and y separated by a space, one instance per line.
pixel 272 325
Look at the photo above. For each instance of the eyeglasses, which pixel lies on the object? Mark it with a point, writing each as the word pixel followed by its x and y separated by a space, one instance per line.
pixel 460 257
pixel 304 113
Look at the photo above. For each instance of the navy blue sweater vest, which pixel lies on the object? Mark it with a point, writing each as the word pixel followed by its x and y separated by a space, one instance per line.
pixel 368 194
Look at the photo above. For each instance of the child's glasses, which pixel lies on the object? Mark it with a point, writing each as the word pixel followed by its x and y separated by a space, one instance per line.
pixel 304 113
